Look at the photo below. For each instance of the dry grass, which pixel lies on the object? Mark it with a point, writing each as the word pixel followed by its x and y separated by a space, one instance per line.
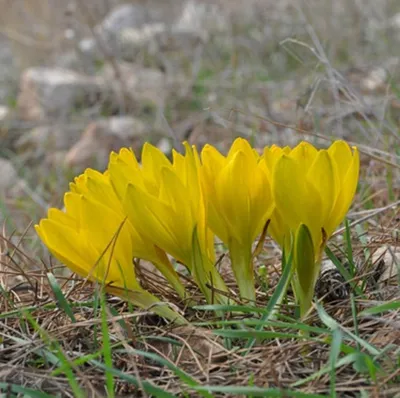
pixel 292 71
pixel 36 333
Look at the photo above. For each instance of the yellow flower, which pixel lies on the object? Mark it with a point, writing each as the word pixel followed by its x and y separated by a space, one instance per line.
pixel 238 196
pixel 98 187
pixel 94 239
pixel 313 190
pixel 164 202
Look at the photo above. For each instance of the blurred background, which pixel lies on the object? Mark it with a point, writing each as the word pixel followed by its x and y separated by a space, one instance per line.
pixel 81 78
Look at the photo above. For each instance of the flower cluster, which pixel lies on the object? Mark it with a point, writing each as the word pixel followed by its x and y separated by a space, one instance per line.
pixel 160 209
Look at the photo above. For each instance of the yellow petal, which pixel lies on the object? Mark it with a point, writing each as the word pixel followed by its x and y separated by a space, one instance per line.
pixel 345 195
pixel 65 244
pixel 233 200
pixel 278 229
pixel 322 176
pixel 305 154
pixel 341 155
pixel 153 161
pixel 242 145
pixel 154 220
pixel 62 217
pixel 124 169
pixel 296 199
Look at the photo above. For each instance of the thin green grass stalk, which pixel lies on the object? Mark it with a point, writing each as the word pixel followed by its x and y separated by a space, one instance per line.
pixel 47 356
pixel 262 335
pixel 45 307
pixel 347 360
pixel 332 324
pixel 62 302
pixel 337 337
pixel 244 391
pixel 389 183
pixel 257 322
pixel 184 377
pixel 379 309
pixel 230 308
pixel 107 350
pixel 354 314
pixel 349 247
pixel 367 252
pixel 7 216
pixel 121 322
pixel 148 387
pixel 343 271
pixel 10 388
pixel 96 313
pixel 276 298
pixel 4 293
pixel 82 360
pixel 62 359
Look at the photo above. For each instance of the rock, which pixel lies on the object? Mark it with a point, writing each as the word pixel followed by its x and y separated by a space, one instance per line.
pixel 127 16
pixel 159 37
pixel 42 139
pixel 55 92
pixel 8 175
pixel 142 85
pixel 200 17
pixel 10 183
pixel 102 137
pixel 4 113
pixel 387 259
pixel 55 159
pixel 121 17
pixel 8 73
pixel 165 145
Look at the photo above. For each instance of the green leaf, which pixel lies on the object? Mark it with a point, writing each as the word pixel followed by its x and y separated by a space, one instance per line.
pixel 306 268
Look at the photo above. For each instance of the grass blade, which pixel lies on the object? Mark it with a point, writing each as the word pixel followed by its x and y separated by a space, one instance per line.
pixel 378 309
pixel 276 298
pixel 107 350
pixel 61 300
pixel 148 387
pixel 256 392
pixel 337 337
pixel 9 388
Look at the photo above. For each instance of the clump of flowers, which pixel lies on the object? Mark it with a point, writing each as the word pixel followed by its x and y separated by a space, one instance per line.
pixel 158 209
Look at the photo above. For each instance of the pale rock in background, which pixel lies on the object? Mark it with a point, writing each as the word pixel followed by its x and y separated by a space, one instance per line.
pixel 55 92
pixel 103 136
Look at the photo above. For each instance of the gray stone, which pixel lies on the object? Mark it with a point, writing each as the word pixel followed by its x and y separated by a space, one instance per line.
pixel 8 73
pixel 48 138
pixel 55 92
pixel 127 16
pixel 140 84
pixel 201 17
pixel 159 37
pixel 103 136
pixel 8 175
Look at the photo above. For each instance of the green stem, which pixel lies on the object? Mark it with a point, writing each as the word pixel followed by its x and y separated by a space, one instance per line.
pixel 206 275
pixel 242 265
pixel 147 301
